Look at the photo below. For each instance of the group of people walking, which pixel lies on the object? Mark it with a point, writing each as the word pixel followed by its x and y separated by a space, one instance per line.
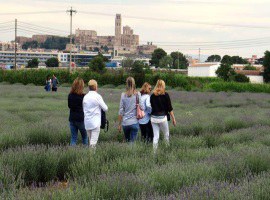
pixel 51 84
pixel 138 110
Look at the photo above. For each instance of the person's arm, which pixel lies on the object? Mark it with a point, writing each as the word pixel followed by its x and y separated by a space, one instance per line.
pixel 170 108
pixel 102 104
pixel 69 101
pixel 120 123
pixel 173 118
pixel 140 101
pixel 121 113
pixel 148 105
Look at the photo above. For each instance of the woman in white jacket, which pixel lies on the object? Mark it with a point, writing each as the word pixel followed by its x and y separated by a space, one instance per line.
pixel 92 105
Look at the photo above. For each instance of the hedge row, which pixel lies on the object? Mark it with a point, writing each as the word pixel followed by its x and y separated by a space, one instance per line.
pixel 237 87
pixel 116 78
pixel 112 77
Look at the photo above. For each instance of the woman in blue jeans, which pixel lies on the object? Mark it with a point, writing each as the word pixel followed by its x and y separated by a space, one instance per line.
pixel 76 116
pixel 128 111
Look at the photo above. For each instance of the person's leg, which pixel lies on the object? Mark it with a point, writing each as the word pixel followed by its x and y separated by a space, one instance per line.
pixel 149 132
pixel 156 135
pixel 74 133
pixel 164 126
pixel 143 128
pixel 89 134
pixel 83 133
pixel 126 130
pixel 134 132
pixel 94 137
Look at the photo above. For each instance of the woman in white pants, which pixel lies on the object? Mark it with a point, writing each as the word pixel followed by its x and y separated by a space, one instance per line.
pixel 92 105
pixel 161 111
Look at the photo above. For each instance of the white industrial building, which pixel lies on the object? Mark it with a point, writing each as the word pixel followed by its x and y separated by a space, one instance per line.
pixel 203 69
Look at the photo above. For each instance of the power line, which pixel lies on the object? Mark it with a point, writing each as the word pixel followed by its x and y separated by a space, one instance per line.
pixel 32 13
pixel 40 33
pixel 8 22
pixel 180 21
pixel 34 25
pixel 204 42
pixel 39 30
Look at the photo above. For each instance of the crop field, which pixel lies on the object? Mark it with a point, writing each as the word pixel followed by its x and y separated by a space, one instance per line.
pixel 220 149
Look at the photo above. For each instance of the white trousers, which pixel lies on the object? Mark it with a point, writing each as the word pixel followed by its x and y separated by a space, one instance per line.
pixel 93 136
pixel 164 127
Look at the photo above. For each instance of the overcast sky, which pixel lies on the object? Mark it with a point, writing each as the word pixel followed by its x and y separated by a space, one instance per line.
pixel 165 32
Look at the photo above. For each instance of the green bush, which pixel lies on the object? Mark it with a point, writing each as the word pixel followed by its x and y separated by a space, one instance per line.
pixel 237 87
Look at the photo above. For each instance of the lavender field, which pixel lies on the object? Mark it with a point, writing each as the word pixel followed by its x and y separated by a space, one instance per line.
pixel 220 149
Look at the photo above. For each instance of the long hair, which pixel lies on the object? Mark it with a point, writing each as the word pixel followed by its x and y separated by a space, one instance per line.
pixel 145 88
pixel 130 86
pixel 160 88
pixel 77 86
pixel 48 77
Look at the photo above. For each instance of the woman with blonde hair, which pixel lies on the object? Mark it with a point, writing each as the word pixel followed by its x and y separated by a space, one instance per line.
pixel 76 115
pixel 162 110
pixel 145 122
pixel 128 111
pixel 92 105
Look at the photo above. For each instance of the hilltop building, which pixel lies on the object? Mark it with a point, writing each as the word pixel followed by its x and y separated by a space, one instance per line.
pixel 124 41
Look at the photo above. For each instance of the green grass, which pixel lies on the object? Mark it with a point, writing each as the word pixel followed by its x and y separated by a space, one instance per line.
pixel 219 149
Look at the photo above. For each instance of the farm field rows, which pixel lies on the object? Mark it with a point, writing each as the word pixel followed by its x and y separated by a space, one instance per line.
pixel 218 150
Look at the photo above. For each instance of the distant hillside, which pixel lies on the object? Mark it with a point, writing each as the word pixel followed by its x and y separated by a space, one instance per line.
pixel 53 42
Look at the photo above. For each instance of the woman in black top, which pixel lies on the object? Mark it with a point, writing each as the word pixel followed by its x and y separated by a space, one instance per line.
pixel 161 112
pixel 76 116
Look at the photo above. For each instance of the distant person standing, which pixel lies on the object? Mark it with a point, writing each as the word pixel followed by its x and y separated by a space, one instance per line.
pixel 92 105
pixel 76 115
pixel 128 111
pixel 162 110
pixel 54 83
pixel 48 84
pixel 145 122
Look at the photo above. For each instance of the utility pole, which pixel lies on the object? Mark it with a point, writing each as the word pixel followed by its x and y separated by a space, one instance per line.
pixel 71 11
pixel 199 54
pixel 15 46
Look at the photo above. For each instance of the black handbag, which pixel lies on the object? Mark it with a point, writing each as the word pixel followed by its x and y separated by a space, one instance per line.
pixel 168 116
pixel 104 122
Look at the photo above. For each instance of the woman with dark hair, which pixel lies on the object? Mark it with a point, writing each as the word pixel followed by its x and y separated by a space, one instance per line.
pixel 48 84
pixel 145 122
pixel 76 116
pixel 128 111
pixel 161 111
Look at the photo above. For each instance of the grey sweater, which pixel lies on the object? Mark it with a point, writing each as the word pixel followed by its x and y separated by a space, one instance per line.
pixel 128 109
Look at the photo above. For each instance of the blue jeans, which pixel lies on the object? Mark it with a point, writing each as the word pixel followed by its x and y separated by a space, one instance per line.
pixel 131 132
pixel 74 127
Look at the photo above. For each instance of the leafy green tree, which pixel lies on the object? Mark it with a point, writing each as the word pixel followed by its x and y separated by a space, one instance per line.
pixel 32 45
pixel 230 60
pixel 138 72
pixel 227 60
pixel 238 60
pixel 52 62
pixel 127 64
pixel 225 71
pixel 55 42
pixel 137 67
pixel 33 63
pixel 166 62
pixel 105 59
pixel 250 67
pixel 239 78
pixel 179 60
pixel 157 55
pixel 97 64
pixel 214 58
pixel 266 64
